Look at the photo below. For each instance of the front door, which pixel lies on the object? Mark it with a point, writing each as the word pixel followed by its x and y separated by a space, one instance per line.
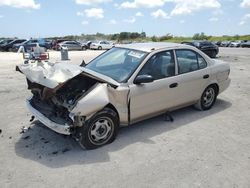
pixel 151 98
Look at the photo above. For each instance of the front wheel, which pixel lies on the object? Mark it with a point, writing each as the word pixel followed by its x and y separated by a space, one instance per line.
pixel 99 48
pixel 207 99
pixel 99 130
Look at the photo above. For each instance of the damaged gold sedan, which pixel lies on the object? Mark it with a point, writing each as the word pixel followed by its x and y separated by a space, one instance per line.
pixel 122 86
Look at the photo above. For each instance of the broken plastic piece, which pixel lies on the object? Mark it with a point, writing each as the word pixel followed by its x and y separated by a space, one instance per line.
pixel 32 118
pixel 24 129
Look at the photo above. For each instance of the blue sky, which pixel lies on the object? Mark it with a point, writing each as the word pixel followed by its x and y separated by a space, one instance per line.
pixel 47 18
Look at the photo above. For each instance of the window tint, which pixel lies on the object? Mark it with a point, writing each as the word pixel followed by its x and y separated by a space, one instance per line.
pixel 160 65
pixel 33 41
pixel 187 61
pixel 20 41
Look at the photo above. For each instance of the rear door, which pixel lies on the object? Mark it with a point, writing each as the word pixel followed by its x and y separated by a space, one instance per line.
pixel 75 45
pixel 193 75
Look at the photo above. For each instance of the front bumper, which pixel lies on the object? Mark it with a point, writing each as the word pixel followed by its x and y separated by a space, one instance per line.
pixel 59 128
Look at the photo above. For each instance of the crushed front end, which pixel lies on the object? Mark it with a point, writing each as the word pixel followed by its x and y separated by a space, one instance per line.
pixel 53 101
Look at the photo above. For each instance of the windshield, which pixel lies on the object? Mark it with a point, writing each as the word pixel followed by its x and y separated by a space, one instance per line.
pixel 6 42
pixel 117 63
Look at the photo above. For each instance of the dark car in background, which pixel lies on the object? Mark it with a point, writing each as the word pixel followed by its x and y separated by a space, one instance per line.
pixel 217 43
pixel 2 41
pixel 29 44
pixel 5 41
pixel 8 46
pixel 205 46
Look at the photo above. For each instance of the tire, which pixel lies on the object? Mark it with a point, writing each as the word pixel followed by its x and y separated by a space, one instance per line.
pixel 84 48
pixel 207 99
pixel 213 54
pixel 99 48
pixel 104 124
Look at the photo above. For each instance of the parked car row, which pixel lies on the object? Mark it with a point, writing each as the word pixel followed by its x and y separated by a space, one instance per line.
pixel 15 44
pixel 235 44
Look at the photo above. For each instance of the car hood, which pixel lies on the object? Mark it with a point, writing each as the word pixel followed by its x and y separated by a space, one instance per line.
pixel 52 75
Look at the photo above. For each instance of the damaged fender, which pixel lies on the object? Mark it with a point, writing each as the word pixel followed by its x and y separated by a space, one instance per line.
pixel 93 101
pixel 99 97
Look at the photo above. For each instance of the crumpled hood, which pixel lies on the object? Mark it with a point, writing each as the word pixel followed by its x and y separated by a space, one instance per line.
pixel 53 74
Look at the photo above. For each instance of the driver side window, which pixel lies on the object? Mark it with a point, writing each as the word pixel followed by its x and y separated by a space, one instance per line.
pixel 159 66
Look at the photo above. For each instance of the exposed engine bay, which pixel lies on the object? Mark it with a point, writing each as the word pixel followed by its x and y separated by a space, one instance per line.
pixel 56 103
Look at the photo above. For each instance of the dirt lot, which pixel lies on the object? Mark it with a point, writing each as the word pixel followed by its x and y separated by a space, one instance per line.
pixel 199 149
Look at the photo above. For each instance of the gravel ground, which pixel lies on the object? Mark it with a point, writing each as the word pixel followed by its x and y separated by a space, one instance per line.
pixel 199 149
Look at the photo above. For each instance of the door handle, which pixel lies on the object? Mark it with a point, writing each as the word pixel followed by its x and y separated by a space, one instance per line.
pixel 173 85
pixel 206 76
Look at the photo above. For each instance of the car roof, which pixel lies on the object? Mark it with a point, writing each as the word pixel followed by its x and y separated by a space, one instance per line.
pixel 150 46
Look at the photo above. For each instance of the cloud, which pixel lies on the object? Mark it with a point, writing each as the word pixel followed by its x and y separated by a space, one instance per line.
pixel 188 6
pixel 85 22
pixel 160 14
pixel 181 6
pixel 113 22
pixel 143 4
pixel 80 13
pixel 94 13
pixel 245 19
pixel 131 20
pixel 139 14
pixel 245 4
pixel 30 4
pixel 116 5
pixel 213 19
pixel 90 2
pixel 218 12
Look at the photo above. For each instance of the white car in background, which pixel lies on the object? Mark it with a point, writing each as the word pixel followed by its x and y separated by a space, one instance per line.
pixel 101 45
pixel 122 86
pixel 236 44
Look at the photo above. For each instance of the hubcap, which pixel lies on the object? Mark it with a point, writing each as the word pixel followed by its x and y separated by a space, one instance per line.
pixel 101 131
pixel 208 97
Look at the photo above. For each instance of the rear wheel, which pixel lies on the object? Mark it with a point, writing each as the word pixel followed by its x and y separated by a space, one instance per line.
pixel 99 130
pixel 213 54
pixel 207 99
pixel 99 48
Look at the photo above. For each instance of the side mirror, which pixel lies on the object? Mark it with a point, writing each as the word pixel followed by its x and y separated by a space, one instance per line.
pixel 142 79
pixel 83 64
